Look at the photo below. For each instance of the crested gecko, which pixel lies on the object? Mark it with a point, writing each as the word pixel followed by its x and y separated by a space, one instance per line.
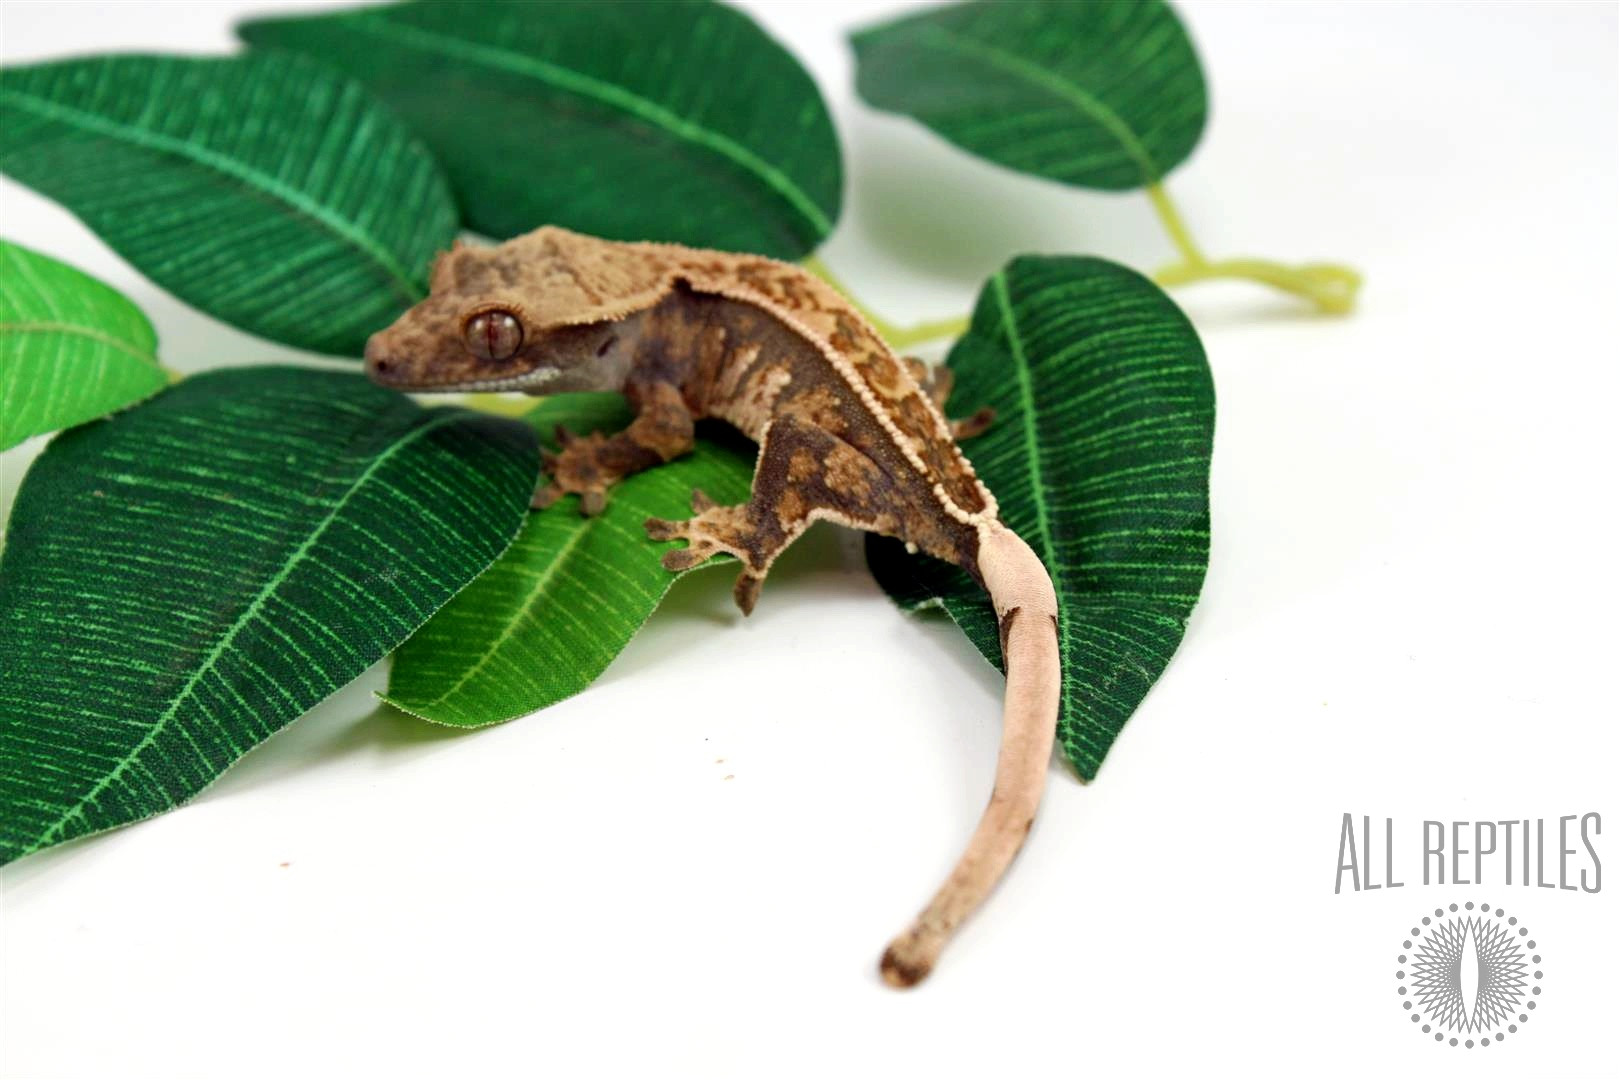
pixel 848 432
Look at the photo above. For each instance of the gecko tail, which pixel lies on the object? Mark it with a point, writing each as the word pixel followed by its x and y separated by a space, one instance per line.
pixel 1026 605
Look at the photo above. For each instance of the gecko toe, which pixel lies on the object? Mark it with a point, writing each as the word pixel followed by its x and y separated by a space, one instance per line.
pixel 685 558
pixel 592 502
pixel 701 501
pixel 975 425
pixel 660 529
pixel 545 496
pixel 746 591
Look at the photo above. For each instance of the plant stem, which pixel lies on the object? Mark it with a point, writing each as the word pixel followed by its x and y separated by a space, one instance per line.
pixel 898 337
pixel 499 404
pixel 1331 287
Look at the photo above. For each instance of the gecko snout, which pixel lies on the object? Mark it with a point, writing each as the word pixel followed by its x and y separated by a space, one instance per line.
pixel 380 367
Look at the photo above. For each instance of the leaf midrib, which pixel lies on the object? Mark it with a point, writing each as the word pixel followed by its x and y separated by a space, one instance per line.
pixel 1051 81
pixel 80 331
pixel 542 582
pixel 589 86
pixel 398 277
pixel 242 621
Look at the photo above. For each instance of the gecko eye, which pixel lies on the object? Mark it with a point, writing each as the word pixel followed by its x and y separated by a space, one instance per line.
pixel 493 335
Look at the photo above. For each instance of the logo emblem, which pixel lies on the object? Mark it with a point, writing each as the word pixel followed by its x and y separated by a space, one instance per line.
pixel 1468 977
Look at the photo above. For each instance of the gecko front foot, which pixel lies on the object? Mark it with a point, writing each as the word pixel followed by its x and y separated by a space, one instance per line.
pixel 713 531
pixel 577 470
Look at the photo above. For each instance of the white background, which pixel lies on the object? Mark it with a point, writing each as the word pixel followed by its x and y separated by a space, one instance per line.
pixel 691 868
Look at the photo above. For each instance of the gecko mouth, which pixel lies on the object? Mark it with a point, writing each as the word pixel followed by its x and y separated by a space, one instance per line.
pixel 528 381
pixel 396 376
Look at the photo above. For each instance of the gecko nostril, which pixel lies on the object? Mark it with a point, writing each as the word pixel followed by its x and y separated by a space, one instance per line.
pixel 375 357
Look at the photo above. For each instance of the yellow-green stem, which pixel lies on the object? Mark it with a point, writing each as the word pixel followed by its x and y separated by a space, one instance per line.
pixel 898 337
pixel 1331 287
pixel 508 405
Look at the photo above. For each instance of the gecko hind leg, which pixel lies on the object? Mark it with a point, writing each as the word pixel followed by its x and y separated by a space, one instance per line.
pixel 936 381
pixel 803 473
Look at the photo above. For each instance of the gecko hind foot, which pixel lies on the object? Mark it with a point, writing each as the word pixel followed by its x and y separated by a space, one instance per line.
pixel 937 380
pixel 977 424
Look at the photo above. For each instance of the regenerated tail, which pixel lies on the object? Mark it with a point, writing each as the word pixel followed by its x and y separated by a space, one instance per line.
pixel 1026 605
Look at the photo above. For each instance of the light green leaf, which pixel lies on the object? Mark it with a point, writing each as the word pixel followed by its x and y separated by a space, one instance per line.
pixel 544 621
pixel 184 579
pixel 1100 94
pixel 679 121
pixel 266 190
pixel 1099 457
pixel 71 347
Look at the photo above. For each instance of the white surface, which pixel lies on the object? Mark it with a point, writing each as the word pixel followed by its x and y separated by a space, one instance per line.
pixel 690 869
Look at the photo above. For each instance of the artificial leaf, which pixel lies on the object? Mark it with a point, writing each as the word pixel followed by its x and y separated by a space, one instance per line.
pixel 71 347
pixel 1099 458
pixel 266 190
pixel 570 592
pixel 1102 94
pixel 184 579
pixel 679 121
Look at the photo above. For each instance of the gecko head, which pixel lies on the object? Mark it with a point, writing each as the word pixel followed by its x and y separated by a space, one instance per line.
pixel 493 320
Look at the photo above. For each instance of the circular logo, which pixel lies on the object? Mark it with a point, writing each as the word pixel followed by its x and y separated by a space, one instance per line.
pixel 1468 976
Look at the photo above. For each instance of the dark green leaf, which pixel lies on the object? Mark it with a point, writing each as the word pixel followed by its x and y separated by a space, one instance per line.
pixel 265 190
pixel 181 581
pixel 1100 93
pixel 569 594
pixel 71 348
pixel 1099 458
pixel 679 121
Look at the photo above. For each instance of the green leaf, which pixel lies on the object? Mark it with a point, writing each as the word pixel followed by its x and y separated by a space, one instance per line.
pixel 265 190
pixel 679 121
pixel 569 594
pixel 71 347
pixel 1099 458
pixel 1101 94
pixel 186 578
